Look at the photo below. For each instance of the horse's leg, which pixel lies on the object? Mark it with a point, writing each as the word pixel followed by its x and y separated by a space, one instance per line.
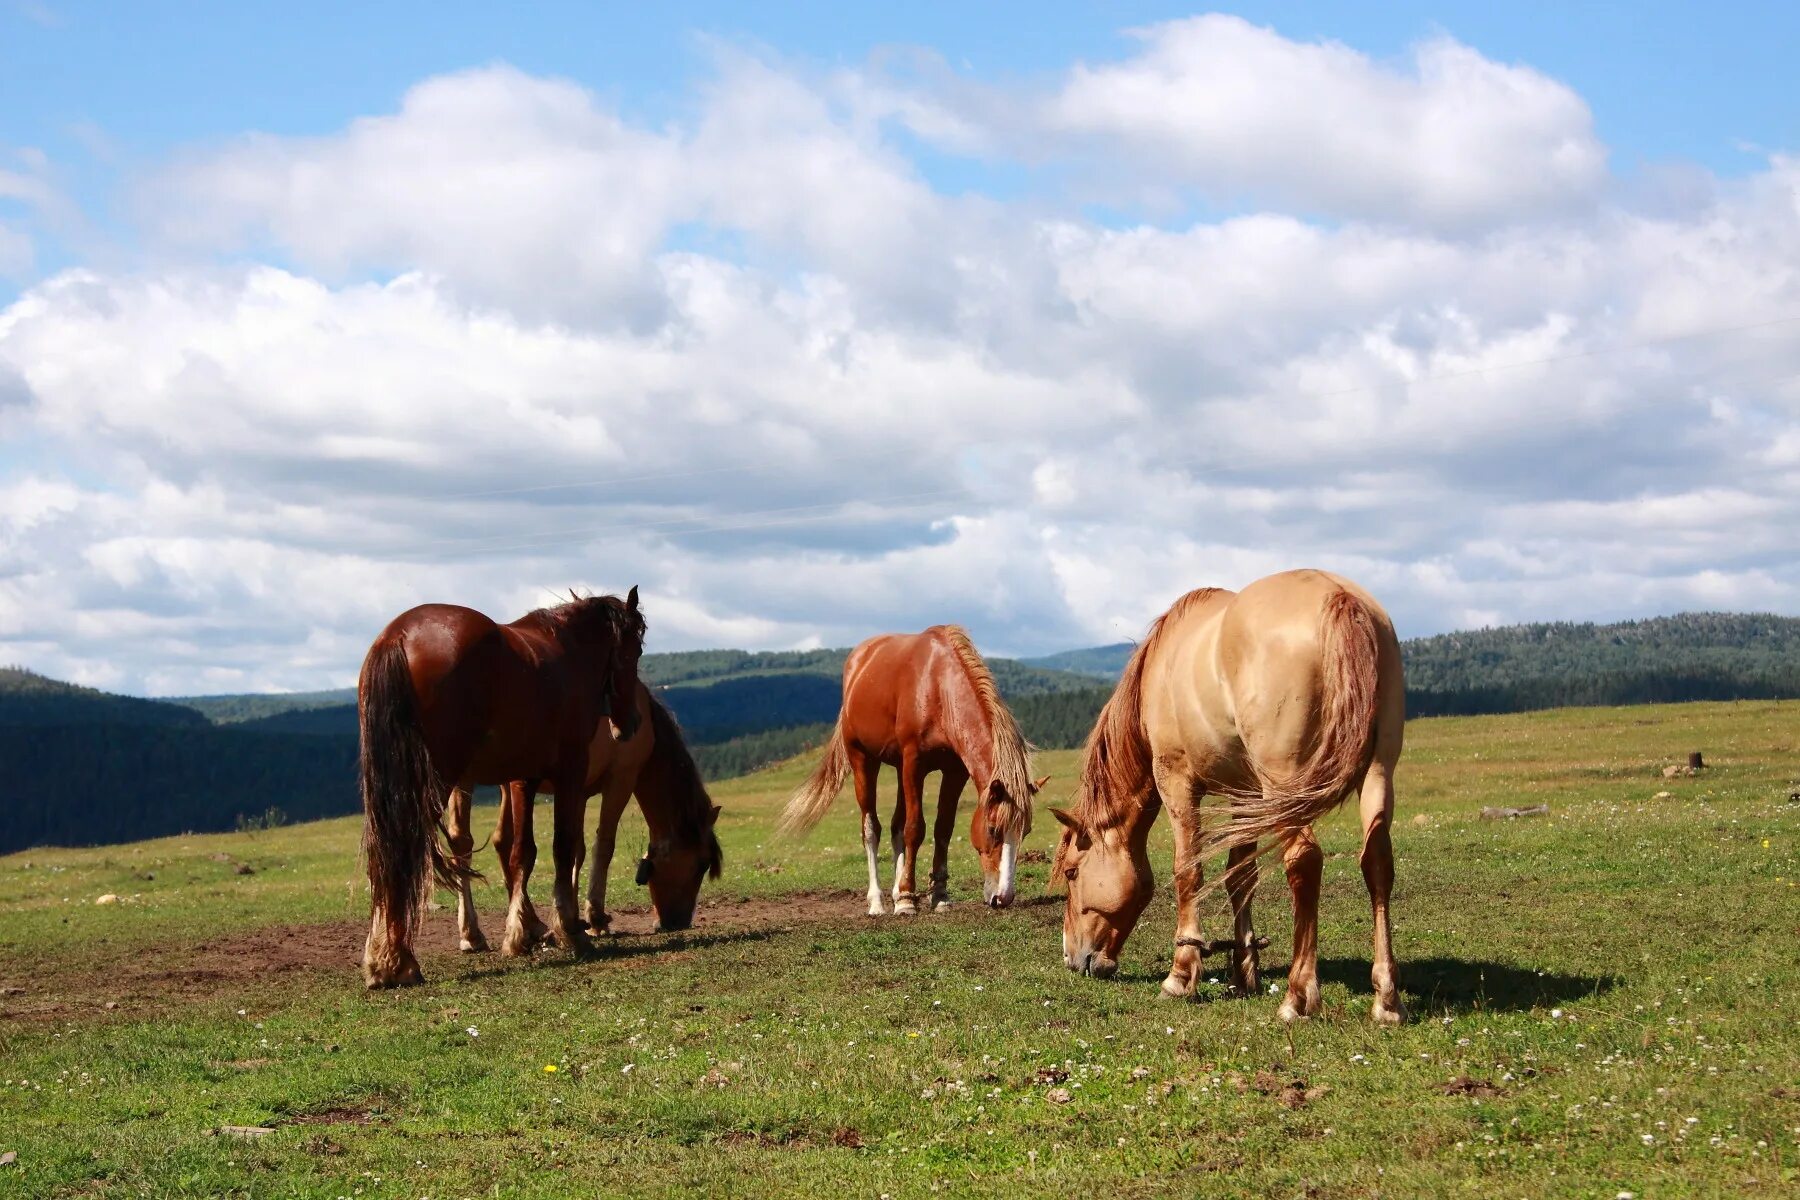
pixel 462 848
pixel 569 846
pixel 1183 802
pixel 950 787
pixel 1240 884
pixel 867 769
pixel 1377 805
pixel 909 835
pixel 615 793
pixel 516 845
pixel 1305 863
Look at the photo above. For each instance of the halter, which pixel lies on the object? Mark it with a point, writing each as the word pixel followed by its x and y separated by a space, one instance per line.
pixel 1221 945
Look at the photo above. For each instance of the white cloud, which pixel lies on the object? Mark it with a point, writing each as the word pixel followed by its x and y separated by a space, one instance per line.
pixel 811 396
pixel 1235 110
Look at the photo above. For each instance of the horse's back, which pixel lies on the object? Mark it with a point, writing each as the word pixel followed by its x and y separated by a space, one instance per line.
pixel 889 689
pixel 1246 679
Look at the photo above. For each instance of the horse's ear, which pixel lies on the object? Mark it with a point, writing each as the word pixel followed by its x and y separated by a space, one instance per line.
pixel 631 604
pixel 994 792
pixel 717 809
pixel 1037 785
pixel 646 869
pixel 1067 820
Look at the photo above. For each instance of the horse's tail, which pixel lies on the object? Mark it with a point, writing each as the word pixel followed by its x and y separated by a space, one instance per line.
pixel 814 796
pixel 403 798
pixel 1350 661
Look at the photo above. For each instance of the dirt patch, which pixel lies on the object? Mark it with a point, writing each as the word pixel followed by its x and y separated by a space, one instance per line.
pixel 1289 1093
pixel 157 978
pixel 1464 1085
pixel 793 1139
pixel 333 1116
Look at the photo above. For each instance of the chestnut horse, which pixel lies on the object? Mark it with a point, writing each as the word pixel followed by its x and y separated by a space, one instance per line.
pixel 926 702
pixel 448 698
pixel 1279 701
pixel 654 764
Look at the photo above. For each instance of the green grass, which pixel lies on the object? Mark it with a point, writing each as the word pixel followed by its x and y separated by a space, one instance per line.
pixel 1625 974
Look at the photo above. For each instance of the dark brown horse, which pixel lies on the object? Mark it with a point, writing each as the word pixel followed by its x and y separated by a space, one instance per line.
pixel 449 698
pixel 654 764
pixel 925 702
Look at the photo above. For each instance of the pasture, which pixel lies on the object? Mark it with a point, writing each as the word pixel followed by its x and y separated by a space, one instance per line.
pixel 1605 1000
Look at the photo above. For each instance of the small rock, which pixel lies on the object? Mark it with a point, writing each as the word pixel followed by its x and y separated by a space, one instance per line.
pixel 109 898
pixel 111 1004
pixel 1663 796
pixel 245 869
pixel 245 1131
pixel 1058 1095
pixel 1421 819
pixel 9 1158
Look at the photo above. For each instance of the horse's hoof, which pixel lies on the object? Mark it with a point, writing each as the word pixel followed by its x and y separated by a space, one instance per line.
pixel 1384 1013
pixel 403 974
pixel 905 908
pixel 1174 989
pixel 940 904
pixel 474 945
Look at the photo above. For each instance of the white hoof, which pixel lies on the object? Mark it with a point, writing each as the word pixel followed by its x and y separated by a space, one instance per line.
pixel 1384 1014
pixel 474 945
pixel 939 905
pixel 1174 989
pixel 905 908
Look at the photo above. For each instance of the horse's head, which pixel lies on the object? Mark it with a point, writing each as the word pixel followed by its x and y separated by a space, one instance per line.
pixel 673 869
pixel 999 823
pixel 1107 874
pixel 612 631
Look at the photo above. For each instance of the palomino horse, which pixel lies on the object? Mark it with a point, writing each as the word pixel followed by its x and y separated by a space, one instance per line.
pixel 448 699
pixel 926 702
pixel 655 764
pixel 1279 701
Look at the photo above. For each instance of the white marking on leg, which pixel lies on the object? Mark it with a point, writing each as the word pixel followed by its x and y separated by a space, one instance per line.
pixel 872 835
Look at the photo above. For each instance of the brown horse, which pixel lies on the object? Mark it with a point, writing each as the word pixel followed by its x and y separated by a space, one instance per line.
pixel 926 702
pixel 654 764
pixel 1279 701
pixel 447 698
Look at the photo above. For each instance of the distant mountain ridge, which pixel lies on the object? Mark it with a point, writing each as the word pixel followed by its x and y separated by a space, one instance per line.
pixel 88 766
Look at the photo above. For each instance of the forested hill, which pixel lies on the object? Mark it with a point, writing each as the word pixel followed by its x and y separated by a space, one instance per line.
pixel 84 766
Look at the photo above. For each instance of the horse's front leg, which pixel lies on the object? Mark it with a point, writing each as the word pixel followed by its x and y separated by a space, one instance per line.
pixel 950 789
pixel 569 847
pixel 462 848
pixel 1183 801
pixel 614 795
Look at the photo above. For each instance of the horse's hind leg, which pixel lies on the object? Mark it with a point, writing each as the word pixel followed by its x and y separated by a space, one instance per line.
pixel 462 848
pixel 867 770
pixel 950 788
pixel 909 835
pixel 1377 805
pixel 1305 863
pixel 1240 884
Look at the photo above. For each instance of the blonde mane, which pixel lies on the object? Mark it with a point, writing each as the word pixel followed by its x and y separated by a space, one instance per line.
pixel 1010 751
pixel 1115 766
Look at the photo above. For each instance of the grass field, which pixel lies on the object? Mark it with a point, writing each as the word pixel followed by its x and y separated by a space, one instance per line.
pixel 1605 1001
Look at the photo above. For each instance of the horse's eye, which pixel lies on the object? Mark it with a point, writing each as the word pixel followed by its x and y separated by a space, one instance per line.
pixel 1069 874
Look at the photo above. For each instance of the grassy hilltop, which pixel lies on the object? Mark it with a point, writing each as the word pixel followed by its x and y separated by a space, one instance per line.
pixel 1605 1000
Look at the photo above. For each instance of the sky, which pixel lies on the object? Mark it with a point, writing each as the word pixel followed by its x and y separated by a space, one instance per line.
pixel 817 321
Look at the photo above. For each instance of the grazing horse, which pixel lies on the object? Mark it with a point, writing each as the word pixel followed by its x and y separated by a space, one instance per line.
pixel 925 702
pixel 1278 701
pixel 447 699
pixel 655 764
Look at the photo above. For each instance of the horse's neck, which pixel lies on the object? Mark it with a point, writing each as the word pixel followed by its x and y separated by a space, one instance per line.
pixel 970 731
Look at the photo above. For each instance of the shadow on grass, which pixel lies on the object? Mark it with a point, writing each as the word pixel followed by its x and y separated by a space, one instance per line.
pixel 1457 985
pixel 619 947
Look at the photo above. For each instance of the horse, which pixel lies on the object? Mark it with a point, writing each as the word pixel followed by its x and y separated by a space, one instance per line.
pixel 1279 701
pixel 654 763
pixel 448 698
pixel 926 702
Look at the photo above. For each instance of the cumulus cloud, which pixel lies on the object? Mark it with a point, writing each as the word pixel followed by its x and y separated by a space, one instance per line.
pixel 504 339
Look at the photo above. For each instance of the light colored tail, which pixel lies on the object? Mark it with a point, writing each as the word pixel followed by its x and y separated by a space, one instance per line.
pixel 813 797
pixel 1351 662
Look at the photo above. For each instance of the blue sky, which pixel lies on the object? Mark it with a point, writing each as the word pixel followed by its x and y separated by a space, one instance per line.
pixel 820 319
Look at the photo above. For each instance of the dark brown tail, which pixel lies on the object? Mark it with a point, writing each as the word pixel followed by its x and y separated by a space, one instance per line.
pixel 403 798
pixel 1351 667
pixel 814 796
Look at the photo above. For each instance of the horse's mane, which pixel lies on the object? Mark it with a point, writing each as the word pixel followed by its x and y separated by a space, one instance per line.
pixel 1115 766
pixel 690 808
pixel 592 619
pixel 1011 752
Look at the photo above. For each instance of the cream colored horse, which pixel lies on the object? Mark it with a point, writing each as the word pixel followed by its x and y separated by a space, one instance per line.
pixel 1278 702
